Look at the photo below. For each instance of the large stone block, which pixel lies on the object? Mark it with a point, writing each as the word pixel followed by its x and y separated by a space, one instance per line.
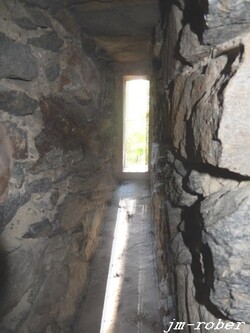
pixel 44 4
pixel 210 109
pixel 195 111
pixel 204 184
pixel 48 41
pixel 227 231
pixel 35 20
pixel 226 19
pixel 234 125
pixel 175 192
pixel 17 103
pixel 190 48
pixel 16 60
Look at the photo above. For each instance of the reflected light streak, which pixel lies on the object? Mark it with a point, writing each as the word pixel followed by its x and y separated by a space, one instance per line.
pixel 116 267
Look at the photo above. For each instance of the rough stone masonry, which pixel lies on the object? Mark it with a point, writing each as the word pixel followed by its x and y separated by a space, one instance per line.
pixel 57 130
pixel 201 154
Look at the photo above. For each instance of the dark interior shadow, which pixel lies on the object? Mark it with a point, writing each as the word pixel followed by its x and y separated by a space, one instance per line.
pixel 202 265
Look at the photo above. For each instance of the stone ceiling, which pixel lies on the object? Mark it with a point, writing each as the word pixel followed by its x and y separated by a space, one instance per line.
pixel 122 28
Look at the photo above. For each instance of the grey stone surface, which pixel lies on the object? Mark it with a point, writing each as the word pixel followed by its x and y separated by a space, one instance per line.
pixel 190 48
pixel 18 173
pixel 205 184
pixel 35 20
pixel 226 19
pixel 226 230
pixel 9 209
pixel 48 41
pixel 18 138
pixel 52 71
pixel 201 118
pixel 60 134
pixel 25 23
pixel 17 103
pixel 39 186
pixel 235 152
pixel 39 229
pixel 39 18
pixel 44 4
pixel 179 167
pixel 175 192
pixel 16 60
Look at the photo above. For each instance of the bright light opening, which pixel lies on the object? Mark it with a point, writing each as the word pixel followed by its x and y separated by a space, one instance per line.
pixel 135 124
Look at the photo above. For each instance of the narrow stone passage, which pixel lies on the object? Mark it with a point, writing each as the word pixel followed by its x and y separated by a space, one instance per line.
pixel 131 300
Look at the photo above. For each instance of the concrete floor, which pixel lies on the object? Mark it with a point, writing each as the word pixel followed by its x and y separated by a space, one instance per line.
pixel 129 273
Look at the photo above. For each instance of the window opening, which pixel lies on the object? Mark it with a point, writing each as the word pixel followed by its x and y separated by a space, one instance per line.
pixel 135 124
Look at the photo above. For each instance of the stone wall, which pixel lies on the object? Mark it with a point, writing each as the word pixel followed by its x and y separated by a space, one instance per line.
pixel 201 154
pixel 57 130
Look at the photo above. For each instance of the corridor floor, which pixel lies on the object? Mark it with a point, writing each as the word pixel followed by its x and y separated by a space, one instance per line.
pixel 131 297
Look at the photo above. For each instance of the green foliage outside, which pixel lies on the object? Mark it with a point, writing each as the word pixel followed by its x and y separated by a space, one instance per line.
pixel 136 146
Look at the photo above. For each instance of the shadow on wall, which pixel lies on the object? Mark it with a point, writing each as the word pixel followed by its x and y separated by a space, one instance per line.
pixel 202 261
pixel 6 153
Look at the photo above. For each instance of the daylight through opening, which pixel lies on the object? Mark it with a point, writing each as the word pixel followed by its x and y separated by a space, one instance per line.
pixel 135 124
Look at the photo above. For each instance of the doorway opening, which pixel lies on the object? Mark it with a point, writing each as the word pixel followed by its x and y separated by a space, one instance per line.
pixel 136 124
